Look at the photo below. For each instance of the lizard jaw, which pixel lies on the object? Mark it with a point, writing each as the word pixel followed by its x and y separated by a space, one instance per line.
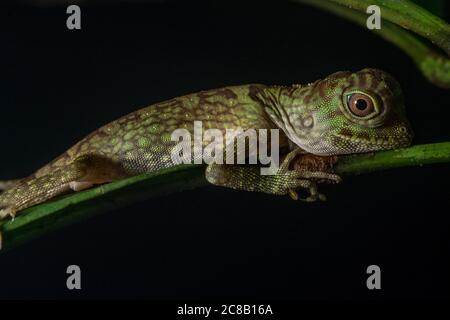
pixel 378 143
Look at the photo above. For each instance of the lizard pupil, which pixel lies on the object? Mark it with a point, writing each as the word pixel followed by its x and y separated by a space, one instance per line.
pixel 361 104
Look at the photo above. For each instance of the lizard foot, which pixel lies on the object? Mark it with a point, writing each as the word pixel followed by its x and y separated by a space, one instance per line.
pixel 307 180
pixel 305 172
pixel 8 212
pixel 314 195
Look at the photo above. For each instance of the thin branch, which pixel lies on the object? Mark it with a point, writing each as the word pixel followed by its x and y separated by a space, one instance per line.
pixel 44 218
pixel 413 156
pixel 397 14
pixel 409 16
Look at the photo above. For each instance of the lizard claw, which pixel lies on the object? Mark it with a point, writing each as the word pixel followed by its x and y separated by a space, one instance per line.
pixel 314 198
pixel 293 194
pixel 314 194
pixel 311 187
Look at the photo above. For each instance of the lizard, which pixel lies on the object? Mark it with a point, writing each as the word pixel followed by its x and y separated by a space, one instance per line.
pixel 344 113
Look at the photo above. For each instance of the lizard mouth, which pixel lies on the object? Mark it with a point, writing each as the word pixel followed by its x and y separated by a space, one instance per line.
pixel 379 141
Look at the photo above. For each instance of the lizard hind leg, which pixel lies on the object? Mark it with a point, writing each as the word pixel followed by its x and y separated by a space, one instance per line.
pixel 82 173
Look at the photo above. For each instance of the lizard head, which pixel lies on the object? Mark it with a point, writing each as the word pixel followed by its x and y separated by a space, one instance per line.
pixel 349 113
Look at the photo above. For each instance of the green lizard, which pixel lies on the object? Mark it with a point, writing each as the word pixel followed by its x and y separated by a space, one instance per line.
pixel 341 114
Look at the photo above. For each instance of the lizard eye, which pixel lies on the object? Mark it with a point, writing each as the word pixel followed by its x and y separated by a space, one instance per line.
pixel 360 105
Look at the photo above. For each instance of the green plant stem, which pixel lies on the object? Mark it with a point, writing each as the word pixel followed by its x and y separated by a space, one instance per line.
pixel 433 65
pixel 414 156
pixel 39 220
pixel 409 16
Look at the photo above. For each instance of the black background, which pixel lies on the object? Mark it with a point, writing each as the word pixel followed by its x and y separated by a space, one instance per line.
pixel 58 85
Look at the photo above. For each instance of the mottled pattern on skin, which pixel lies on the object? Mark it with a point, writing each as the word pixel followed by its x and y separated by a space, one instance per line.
pixel 316 119
pixel 141 139
pixel 310 117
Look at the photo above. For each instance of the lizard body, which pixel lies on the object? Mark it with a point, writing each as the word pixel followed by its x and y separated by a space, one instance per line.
pixel 341 114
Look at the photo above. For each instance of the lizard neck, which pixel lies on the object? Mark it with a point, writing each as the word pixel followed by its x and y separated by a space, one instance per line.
pixel 290 109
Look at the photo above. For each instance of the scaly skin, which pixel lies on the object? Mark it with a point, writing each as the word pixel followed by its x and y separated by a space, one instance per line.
pixel 341 114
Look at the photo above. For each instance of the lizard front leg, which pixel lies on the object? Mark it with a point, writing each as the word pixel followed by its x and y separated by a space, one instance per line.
pixel 289 177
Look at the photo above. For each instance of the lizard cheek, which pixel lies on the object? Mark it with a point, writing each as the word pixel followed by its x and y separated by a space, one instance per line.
pixel 308 122
pixel 303 124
